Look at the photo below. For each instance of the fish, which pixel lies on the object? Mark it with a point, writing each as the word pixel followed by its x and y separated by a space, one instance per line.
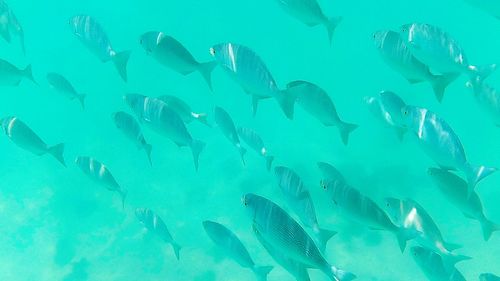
pixel 99 173
pixel 411 215
pixel 172 54
pixel 24 137
pixel 184 110
pixel 350 203
pixel 438 140
pixel 298 270
pixel 156 225
pixel 246 67
pixel 10 25
pixel 226 124
pixel 132 130
pixel 387 107
pixel 10 75
pixel 397 54
pixel 63 86
pixel 254 141
pixel 93 37
pixel 226 240
pixel 283 233
pixel 433 267
pixel 455 190
pixel 316 102
pixel 440 51
pixel 488 99
pixel 488 277
pixel 165 121
pixel 309 12
pixel 299 199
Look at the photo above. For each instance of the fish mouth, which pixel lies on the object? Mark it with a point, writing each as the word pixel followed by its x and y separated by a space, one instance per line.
pixel 212 51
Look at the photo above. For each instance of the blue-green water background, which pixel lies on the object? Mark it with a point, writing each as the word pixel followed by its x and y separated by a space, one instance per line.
pixel 52 217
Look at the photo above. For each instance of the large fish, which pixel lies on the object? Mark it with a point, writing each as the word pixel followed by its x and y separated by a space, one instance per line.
pixel 283 233
pixel 248 69
pixel 439 142
pixel 350 203
pixel 316 102
pixel 156 225
pixel 92 35
pixel 10 25
pixel 184 110
pixel 298 197
pixel 433 267
pixel 171 53
pixel 226 124
pixel 10 75
pixel 309 12
pixel 63 86
pixel 164 120
pixel 488 98
pixel 396 53
pixel 19 133
pixel 99 173
pixel 253 140
pixel 234 248
pixel 132 130
pixel 488 277
pixel 387 107
pixel 455 190
pixel 438 50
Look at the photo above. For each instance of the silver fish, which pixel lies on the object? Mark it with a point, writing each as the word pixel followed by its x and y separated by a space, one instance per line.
pixel 488 98
pixel 156 114
pixel 63 86
pixel 92 35
pixel 234 248
pixel 251 73
pixel 10 75
pixel 156 225
pixel 298 197
pixel 9 24
pixel 396 53
pixel 439 142
pixel 253 140
pixel 433 267
pixel 171 53
pixel 283 233
pixel 316 102
pixel 455 190
pixel 226 124
pixel 184 110
pixel 132 130
pixel 20 134
pixel 99 173
pixel 488 277
pixel 387 107
pixel 309 12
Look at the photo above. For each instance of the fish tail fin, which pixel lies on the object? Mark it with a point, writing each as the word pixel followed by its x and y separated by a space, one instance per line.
pixel 450 260
pixel 81 99
pixel 4 31
pixel 323 235
pixel 196 147
pixel 148 148
pixel 345 130
pixel 488 228
pixel 440 83
pixel 269 162
pixel 203 118
pixel 451 246
pixel 242 152
pixel 120 60
pixel 480 73
pixel 341 275
pixel 262 271
pixel 331 24
pixel 206 71
pixel 404 235
pixel 286 99
pixel 57 151
pixel 28 73
pixel 475 174
pixel 177 248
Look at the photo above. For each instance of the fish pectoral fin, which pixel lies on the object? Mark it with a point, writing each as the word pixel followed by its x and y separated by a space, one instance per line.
pixel 414 81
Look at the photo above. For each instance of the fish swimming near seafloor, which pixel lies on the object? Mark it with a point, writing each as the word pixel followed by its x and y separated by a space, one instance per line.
pixel 433 267
pixel 63 86
pixel 184 110
pixel 10 25
pixel 132 130
pixel 254 141
pixel 226 124
pixel 387 107
pixel 10 75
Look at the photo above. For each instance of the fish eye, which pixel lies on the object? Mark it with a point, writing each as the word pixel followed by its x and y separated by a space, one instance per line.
pixel 212 51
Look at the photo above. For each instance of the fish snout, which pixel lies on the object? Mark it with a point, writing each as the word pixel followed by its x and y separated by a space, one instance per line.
pixel 244 200
pixel 212 51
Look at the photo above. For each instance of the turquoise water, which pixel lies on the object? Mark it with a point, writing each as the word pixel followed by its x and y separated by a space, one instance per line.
pixel 59 225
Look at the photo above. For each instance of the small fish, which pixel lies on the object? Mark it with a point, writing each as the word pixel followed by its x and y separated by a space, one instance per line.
pixel 309 12
pixel 350 203
pixel 62 85
pixel 252 139
pixel 19 133
pixel 92 35
pixel 316 102
pixel 132 130
pixel 171 53
pixel 156 114
pixel 387 107
pixel 455 190
pixel 184 110
pixel 440 143
pixel 299 199
pixel 251 73
pixel 9 24
pixel 488 98
pixel 10 75
pixel 433 267
pixel 396 53
pixel 156 225
pixel 226 124
pixel 99 173
pixel 488 277
pixel 234 248
pixel 283 233
pixel 438 50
